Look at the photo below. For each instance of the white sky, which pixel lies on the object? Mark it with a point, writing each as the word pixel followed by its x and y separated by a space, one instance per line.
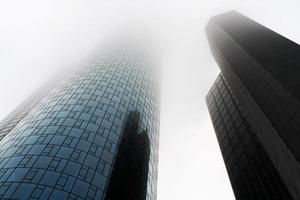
pixel 37 38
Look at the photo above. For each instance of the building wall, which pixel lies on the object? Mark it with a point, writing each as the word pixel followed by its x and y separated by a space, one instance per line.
pixel 261 77
pixel 249 167
pixel 244 50
pixel 13 118
pixel 66 146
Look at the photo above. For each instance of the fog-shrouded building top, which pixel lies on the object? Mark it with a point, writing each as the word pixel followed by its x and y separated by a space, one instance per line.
pixel 98 127
pixel 262 69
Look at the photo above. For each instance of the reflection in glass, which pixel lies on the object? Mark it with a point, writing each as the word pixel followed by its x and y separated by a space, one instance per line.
pixel 130 173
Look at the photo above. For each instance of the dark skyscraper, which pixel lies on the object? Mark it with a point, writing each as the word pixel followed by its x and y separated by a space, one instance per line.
pixel 90 135
pixel 255 107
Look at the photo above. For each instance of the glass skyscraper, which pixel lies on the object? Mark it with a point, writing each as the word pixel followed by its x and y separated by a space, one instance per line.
pixel 90 135
pixel 254 105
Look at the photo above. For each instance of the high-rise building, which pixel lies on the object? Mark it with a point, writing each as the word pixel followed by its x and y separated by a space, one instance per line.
pixel 92 136
pixel 255 109
pixel 11 120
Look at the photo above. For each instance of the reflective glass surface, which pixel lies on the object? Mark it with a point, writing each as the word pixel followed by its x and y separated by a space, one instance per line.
pixel 66 146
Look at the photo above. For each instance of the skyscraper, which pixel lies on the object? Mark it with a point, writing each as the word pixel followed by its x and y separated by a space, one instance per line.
pixel 11 120
pixel 92 136
pixel 254 105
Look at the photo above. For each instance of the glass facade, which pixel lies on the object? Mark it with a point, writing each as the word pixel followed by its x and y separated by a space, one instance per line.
pixel 261 70
pixel 73 140
pixel 272 83
pixel 250 169
pixel 10 121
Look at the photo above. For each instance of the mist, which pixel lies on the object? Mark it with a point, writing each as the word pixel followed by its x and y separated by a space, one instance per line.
pixel 40 38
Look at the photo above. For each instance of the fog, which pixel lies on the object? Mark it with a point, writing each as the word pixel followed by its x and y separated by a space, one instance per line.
pixel 38 38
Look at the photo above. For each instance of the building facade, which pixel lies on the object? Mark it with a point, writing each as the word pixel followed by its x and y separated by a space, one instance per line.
pixel 81 137
pixel 254 105
pixel 11 120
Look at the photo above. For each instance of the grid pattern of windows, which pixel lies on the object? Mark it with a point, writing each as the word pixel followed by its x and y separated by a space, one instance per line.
pixel 10 121
pixel 251 172
pixel 65 147
pixel 267 65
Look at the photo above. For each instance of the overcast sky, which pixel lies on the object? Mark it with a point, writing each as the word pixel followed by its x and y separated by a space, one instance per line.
pixel 37 38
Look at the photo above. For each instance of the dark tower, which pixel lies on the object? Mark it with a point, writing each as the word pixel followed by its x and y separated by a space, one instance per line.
pixel 255 108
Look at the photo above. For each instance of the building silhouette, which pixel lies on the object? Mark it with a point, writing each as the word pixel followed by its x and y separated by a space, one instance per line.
pixel 90 135
pixel 255 109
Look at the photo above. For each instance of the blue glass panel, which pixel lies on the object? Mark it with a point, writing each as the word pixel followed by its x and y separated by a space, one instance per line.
pixel 23 191
pixel 80 188
pixel 50 178
pixel 18 174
